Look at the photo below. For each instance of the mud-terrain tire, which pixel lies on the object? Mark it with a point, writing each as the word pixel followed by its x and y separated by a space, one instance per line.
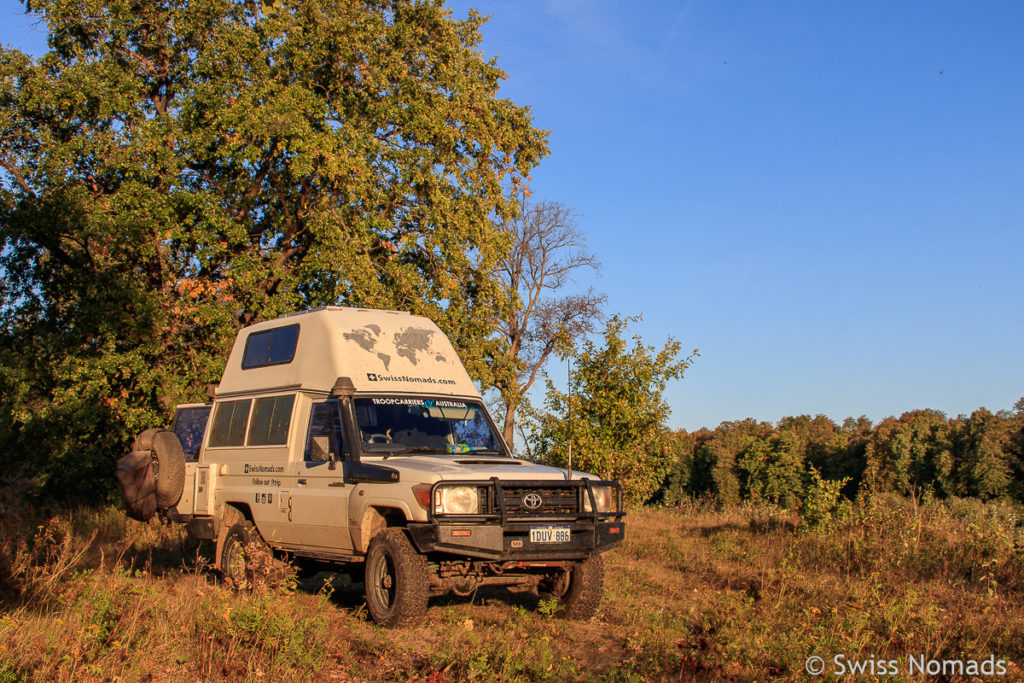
pixel 144 441
pixel 168 464
pixel 580 595
pixel 397 584
pixel 247 562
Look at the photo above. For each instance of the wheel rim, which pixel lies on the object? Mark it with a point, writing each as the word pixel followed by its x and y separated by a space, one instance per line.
pixel 382 582
pixel 560 585
pixel 234 561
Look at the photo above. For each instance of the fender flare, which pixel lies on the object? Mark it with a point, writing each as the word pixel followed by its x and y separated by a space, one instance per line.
pixel 374 517
pixel 230 517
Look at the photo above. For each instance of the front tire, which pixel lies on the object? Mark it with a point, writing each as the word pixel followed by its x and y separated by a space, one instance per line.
pixel 397 583
pixel 580 590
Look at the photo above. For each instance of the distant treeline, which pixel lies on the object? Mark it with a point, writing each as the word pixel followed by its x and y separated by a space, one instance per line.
pixel 921 452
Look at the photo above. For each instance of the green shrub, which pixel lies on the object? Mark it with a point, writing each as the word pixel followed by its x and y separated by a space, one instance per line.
pixel 822 501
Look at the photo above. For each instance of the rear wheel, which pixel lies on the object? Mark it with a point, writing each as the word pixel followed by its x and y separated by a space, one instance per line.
pixel 396 581
pixel 579 590
pixel 246 561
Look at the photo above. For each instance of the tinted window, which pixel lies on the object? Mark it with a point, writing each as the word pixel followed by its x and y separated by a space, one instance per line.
pixel 324 432
pixel 257 347
pixel 270 419
pixel 229 420
pixel 272 347
pixel 282 344
pixel 189 427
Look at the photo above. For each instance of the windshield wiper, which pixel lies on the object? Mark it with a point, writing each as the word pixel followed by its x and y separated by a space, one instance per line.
pixel 414 450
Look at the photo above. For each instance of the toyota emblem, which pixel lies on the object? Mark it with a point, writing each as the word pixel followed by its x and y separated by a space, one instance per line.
pixel 532 501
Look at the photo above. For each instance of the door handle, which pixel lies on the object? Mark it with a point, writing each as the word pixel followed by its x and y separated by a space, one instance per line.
pixel 302 482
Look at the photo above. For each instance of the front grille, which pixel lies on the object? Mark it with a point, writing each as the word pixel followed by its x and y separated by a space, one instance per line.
pixel 555 500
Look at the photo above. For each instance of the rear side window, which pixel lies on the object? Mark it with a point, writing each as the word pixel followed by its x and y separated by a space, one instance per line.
pixel 189 426
pixel 270 419
pixel 270 347
pixel 229 420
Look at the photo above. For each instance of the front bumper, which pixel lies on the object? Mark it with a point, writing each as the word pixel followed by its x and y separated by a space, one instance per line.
pixel 509 509
pixel 512 541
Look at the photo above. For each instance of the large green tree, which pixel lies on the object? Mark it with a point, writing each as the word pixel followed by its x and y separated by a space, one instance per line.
pixel 714 471
pixel 613 413
pixel 912 454
pixel 985 455
pixel 774 468
pixel 173 169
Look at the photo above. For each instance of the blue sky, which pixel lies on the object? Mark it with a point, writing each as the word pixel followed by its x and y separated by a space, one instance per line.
pixel 826 198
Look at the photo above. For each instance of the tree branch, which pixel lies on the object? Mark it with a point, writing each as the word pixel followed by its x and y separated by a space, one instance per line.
pixel 13 170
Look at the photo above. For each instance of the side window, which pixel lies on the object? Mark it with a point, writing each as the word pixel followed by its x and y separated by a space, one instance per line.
pixel 270 347
pixel 270 419
pixel 189 426
pixel 324 436
pixel 229 420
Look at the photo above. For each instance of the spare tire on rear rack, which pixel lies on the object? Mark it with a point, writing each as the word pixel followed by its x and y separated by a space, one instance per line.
pixel 152 475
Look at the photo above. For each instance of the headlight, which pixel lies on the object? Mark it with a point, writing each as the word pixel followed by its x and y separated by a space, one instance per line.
pixel 602 496
pixel 456 500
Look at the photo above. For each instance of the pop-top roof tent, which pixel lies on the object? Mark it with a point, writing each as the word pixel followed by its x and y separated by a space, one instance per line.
pixel 380 351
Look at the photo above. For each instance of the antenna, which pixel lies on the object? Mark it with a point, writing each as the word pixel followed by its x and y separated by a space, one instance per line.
pixel 568 372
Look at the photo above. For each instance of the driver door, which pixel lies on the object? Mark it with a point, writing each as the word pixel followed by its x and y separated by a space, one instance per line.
pixel 320 494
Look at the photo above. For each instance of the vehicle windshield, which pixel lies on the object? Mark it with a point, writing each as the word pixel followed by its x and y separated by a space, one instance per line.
pixel 400 425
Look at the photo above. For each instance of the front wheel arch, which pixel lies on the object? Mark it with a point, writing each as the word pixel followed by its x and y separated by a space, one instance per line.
pixel 232 514
pixel 375 519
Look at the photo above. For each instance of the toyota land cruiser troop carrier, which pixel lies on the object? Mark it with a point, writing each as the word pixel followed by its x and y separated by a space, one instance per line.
pixel 354 437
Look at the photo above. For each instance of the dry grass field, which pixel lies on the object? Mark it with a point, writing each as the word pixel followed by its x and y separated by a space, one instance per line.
pixel 692 594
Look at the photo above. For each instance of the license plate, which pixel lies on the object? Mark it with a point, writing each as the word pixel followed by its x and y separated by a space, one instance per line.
pixel 549 534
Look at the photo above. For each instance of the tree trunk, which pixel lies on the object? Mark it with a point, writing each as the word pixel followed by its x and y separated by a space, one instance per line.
pixel 509 430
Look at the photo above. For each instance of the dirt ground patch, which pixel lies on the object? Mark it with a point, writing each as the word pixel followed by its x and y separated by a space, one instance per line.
pixel 691 594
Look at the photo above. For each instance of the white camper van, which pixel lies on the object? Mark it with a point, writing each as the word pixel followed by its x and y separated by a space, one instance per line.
pixel 341 436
